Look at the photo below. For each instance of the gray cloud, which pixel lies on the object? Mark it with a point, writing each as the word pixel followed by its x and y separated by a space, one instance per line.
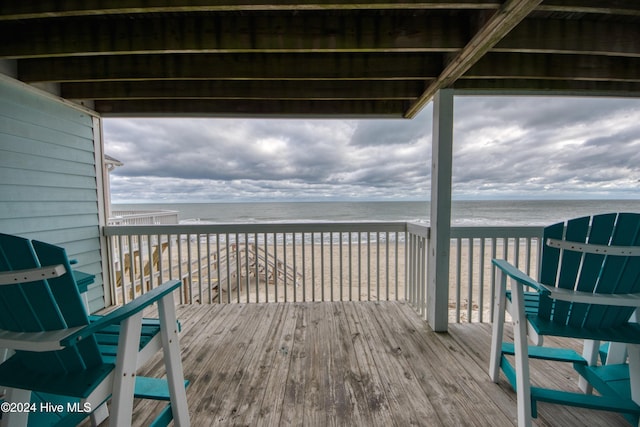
pixel 504 147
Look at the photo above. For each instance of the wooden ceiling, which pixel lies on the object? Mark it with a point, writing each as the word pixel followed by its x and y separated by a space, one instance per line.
pixel 316 58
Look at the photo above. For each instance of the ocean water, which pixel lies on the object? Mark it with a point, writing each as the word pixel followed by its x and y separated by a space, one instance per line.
pixel 469 213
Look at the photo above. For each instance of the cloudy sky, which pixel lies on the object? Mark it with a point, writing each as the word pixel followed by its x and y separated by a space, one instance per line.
pixel 504 148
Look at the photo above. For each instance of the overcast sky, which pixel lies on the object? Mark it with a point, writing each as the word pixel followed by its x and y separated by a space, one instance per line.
pixel 504 148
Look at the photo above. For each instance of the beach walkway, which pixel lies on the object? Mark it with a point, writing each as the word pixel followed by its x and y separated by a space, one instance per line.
pixel 345 363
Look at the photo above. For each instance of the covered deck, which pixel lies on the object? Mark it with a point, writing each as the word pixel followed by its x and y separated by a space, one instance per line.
pixel 315 363
pixel 346 363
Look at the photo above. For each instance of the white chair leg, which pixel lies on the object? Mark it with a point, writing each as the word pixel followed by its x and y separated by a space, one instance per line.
pixel 173 361
pixel 523 385
pixel 590 351
pixel 534 337
pixel 617 353
pixel 498 325
pixel 634 371
pixel 16 419
pixel 124 374
pixel 99 415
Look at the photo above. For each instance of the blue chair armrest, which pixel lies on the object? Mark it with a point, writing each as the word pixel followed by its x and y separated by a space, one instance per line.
pixel 83 280
pixel 120 314
pixel 518 275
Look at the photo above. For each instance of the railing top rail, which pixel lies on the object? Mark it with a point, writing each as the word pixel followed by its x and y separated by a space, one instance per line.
pixel 362 226
pixel 419 229
pixel 304 227
pixel 137 214
pixel 496 231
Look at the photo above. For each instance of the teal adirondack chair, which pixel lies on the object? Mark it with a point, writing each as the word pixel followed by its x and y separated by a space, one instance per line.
pixel 589 288
pixel 57 365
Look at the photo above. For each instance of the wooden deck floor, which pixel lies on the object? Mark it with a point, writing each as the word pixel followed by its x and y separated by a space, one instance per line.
pixel 344 364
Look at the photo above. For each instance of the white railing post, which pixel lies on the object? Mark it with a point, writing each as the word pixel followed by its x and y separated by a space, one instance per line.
pixel 441 169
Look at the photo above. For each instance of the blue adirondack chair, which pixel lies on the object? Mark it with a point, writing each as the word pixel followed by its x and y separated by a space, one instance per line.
pixel 588 288
pixel 57 357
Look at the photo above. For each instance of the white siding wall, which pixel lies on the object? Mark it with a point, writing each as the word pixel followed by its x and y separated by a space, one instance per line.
pixel 48 185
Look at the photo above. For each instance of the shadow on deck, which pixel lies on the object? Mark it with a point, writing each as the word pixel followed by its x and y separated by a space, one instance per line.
pixel 345 364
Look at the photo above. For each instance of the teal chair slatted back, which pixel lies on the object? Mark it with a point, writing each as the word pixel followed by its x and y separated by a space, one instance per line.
pixel 589 272
pixel 44 305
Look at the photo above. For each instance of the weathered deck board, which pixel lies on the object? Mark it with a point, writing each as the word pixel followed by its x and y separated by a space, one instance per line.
pixel 344 363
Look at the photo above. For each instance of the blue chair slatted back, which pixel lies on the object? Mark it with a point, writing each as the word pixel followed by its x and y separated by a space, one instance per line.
pixel 590 272
pixel 44 305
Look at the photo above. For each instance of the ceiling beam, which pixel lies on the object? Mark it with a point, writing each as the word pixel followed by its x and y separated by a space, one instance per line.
pixel 555 67
pixel 286 66
pixel 263 32
pixel 503 21
pixel 610 7
pixel 244 108
pixel 21 10
pixel 594 37
pixel 546 87
pixel 247 89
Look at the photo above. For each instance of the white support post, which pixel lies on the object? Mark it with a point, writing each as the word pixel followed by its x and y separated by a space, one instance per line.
pixel 440 242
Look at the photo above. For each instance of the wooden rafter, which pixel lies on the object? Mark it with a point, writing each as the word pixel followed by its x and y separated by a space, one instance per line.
pixel 503 21
pixel 319 56
pixel 18 10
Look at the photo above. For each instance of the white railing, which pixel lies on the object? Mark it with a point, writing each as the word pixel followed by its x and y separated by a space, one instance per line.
pixel 314 262
pixel 136 217
pixel 261 262
pixel 471 275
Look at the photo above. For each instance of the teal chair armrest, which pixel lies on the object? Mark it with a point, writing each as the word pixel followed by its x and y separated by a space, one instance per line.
pixel 518 275
pixel 120 314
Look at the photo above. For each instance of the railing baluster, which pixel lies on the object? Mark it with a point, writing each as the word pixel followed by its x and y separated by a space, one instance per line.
pixel 183 294
pixel 304 268
pixel 295 269
pixel 470 279
pixel 322 266
pixel 340 268
pixel 377 265
pixel 481 285
pixel 458 278
pixel 209 295
pixel 227 260
pixel 246 264
pixel 238 268
pixel 284 267
pixel 199 251
pixel 396 267
pixel 386 267
pixel 256 266
pixel 275 266
pixel 331 265
pixel 494 250
pixel 190 267
pixel 266 267
pixel 359 266
pixel 313 267
pixel 218 268
pixel 350 268
pixel 368 234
